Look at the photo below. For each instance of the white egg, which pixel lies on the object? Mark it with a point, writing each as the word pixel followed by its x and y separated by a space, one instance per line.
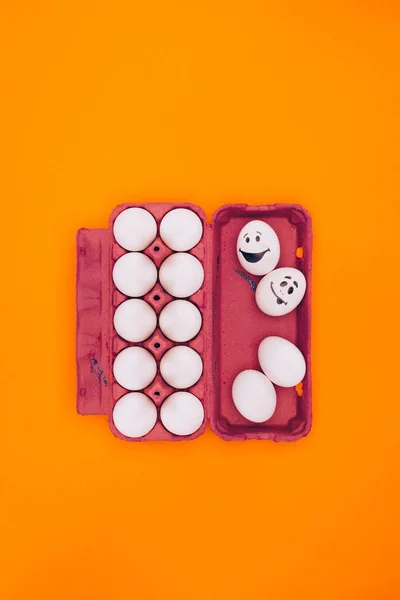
pixel 281 291
pixel 281 361
pixel 134 368
pixel 182 413
pixel 135 320
pixel 180 320
pixel 134 274
pixel 181 275
pixel 258 248
pixel 181 229
pixel 135 228
pixel 254 396
pixel 134 415
pixel 181 367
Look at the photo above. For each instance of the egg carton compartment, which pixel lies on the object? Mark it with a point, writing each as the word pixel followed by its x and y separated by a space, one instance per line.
pixel 96 279
pixel 239 325
pixel 232 324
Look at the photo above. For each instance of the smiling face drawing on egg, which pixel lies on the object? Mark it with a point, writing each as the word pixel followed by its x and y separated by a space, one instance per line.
pixel 281 291
pixel 258 248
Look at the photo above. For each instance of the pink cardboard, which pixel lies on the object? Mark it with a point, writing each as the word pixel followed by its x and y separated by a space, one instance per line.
pixel 240 326
pixel 233 326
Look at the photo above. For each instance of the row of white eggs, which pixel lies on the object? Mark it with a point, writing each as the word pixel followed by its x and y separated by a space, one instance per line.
pixel 135 368
pixel 135 414
pixel 181 274
pixel 135 320
pixel 253 392
pixel 180 229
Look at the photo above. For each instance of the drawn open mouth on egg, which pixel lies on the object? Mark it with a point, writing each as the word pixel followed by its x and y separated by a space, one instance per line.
pixel 253 257
pixel 278 299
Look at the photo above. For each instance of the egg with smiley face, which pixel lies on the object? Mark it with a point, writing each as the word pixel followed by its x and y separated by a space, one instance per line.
pixel 258 248
pixel 281 291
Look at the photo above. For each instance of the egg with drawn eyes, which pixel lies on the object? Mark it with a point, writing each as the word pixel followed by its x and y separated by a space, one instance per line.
pixel 258 248
pixel 281 291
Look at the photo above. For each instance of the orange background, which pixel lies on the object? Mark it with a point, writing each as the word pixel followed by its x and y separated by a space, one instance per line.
pixel 212 102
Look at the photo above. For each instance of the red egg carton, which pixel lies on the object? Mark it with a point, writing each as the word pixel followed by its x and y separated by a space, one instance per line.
pixel 233 325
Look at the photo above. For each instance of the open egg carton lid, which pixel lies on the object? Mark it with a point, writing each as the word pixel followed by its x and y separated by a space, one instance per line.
pixel 232 324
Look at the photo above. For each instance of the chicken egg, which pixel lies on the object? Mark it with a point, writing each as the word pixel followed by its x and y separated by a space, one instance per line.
pixel 134 415
pixel 134 368
pixel 281 361
pixel 281 291
pixel 181 275
pixel 254 396
pixel 181 367
pixel 182 413
pixel 135 228
pixel 180 320
pixel 135 320
pixel 258 248
pixel 181 229
pixel 134 274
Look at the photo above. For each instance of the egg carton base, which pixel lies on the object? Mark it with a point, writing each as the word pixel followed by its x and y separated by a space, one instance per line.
pixel 233 326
